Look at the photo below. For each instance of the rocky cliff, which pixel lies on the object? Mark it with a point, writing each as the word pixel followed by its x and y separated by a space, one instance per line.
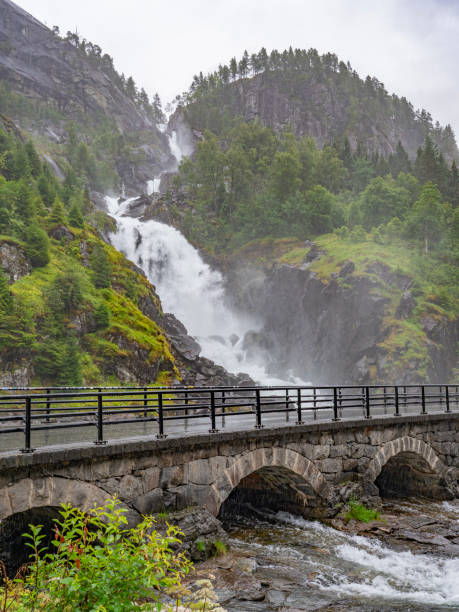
pixel 315 96
pixel 330 318
pixel 58 81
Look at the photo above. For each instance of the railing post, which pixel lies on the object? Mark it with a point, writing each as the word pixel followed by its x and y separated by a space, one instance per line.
pixel 186 403
pixel 298 407
pixel 213 426
pixel 314 395
pixel 287 406
pixel 48 405
pixel 440 394
pixel 340 402
pixel 448 409
pixel 145 402
pixel 100 420
pixel 27 427
pixel 423 399
pixel 385 400
pixel 258 424
pixel 397 408
pixel 335 405
pixel 223 402
pixel 367 403
pixel 160 433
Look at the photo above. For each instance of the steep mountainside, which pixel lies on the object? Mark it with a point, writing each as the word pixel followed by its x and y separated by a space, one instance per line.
pixel 317 96
pixel 74 310
pixel 47 81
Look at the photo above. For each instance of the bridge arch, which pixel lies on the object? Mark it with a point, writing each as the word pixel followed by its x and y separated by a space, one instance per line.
pixel 405 444
pixel 50 491
pixel 409 466
pixel 253 461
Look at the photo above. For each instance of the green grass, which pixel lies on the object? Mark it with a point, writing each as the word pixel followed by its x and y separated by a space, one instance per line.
pixel 360 512
pixel 220 548
pixel 200 546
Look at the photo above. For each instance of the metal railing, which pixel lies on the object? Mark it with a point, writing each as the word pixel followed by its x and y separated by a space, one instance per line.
pixel 26 413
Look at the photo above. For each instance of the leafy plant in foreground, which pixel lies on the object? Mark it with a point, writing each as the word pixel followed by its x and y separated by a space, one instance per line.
pixel 98 564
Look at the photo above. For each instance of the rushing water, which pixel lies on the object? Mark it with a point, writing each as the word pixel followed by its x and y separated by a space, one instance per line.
pixel 190 289
pixel 309 565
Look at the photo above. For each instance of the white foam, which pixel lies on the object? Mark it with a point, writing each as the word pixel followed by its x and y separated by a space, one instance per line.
pixel 189 288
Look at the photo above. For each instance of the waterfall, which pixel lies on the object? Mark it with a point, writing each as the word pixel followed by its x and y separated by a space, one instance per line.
pixel 191 290
pixel 187 286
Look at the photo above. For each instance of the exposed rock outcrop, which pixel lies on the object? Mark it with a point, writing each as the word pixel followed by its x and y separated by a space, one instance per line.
pixel 13 260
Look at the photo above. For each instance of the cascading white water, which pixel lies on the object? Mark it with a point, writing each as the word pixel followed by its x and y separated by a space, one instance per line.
pixel 187 286
pixel 190 289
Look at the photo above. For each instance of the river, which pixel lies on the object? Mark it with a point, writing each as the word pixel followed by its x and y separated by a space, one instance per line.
pixel 298 564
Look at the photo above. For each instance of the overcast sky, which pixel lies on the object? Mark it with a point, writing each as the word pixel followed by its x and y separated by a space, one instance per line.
pixel 412 46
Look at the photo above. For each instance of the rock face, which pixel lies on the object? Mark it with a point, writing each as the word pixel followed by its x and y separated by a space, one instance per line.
pixel 314 104
pixel 335 329
pixel 36 62
pixel 14 261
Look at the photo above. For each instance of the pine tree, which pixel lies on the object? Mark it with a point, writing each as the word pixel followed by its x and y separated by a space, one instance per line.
pixel 102 316
pixel 426 219
pixel 75 215
pixel 453 186
pixel 101 267
pixel 34 160
pixel 24 207
pixel 46 189
pixel 70 368
pixel 37 246
pixel 57 213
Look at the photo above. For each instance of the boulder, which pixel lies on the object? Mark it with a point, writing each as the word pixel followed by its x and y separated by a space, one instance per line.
pixel 60 232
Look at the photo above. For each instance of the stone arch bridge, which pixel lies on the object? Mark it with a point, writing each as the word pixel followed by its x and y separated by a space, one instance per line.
pixel 307 468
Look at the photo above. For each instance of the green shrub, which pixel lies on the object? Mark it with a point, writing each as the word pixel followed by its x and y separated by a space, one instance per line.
pixel 98 565
pixel 360 512
pixel 200 546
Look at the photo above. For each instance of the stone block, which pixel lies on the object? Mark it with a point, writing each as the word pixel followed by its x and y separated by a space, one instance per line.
pixel 150 503
pixel 350 465
pixel 171 476
pixel 376 437
pixel 339 450
pixel 151 478
pixel 200 472
pixel 358 450
pixel 130 487
pixel 343 437
pixel 362 437
pixel 329 466
pixel 321 451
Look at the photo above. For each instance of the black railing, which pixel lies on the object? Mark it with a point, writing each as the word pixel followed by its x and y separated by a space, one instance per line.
pixel 35 417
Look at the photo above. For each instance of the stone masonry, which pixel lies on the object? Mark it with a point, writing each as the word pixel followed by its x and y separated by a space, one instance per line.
pixel 326 461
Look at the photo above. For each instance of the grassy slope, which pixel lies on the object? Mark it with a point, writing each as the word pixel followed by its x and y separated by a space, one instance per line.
pixel 97 351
